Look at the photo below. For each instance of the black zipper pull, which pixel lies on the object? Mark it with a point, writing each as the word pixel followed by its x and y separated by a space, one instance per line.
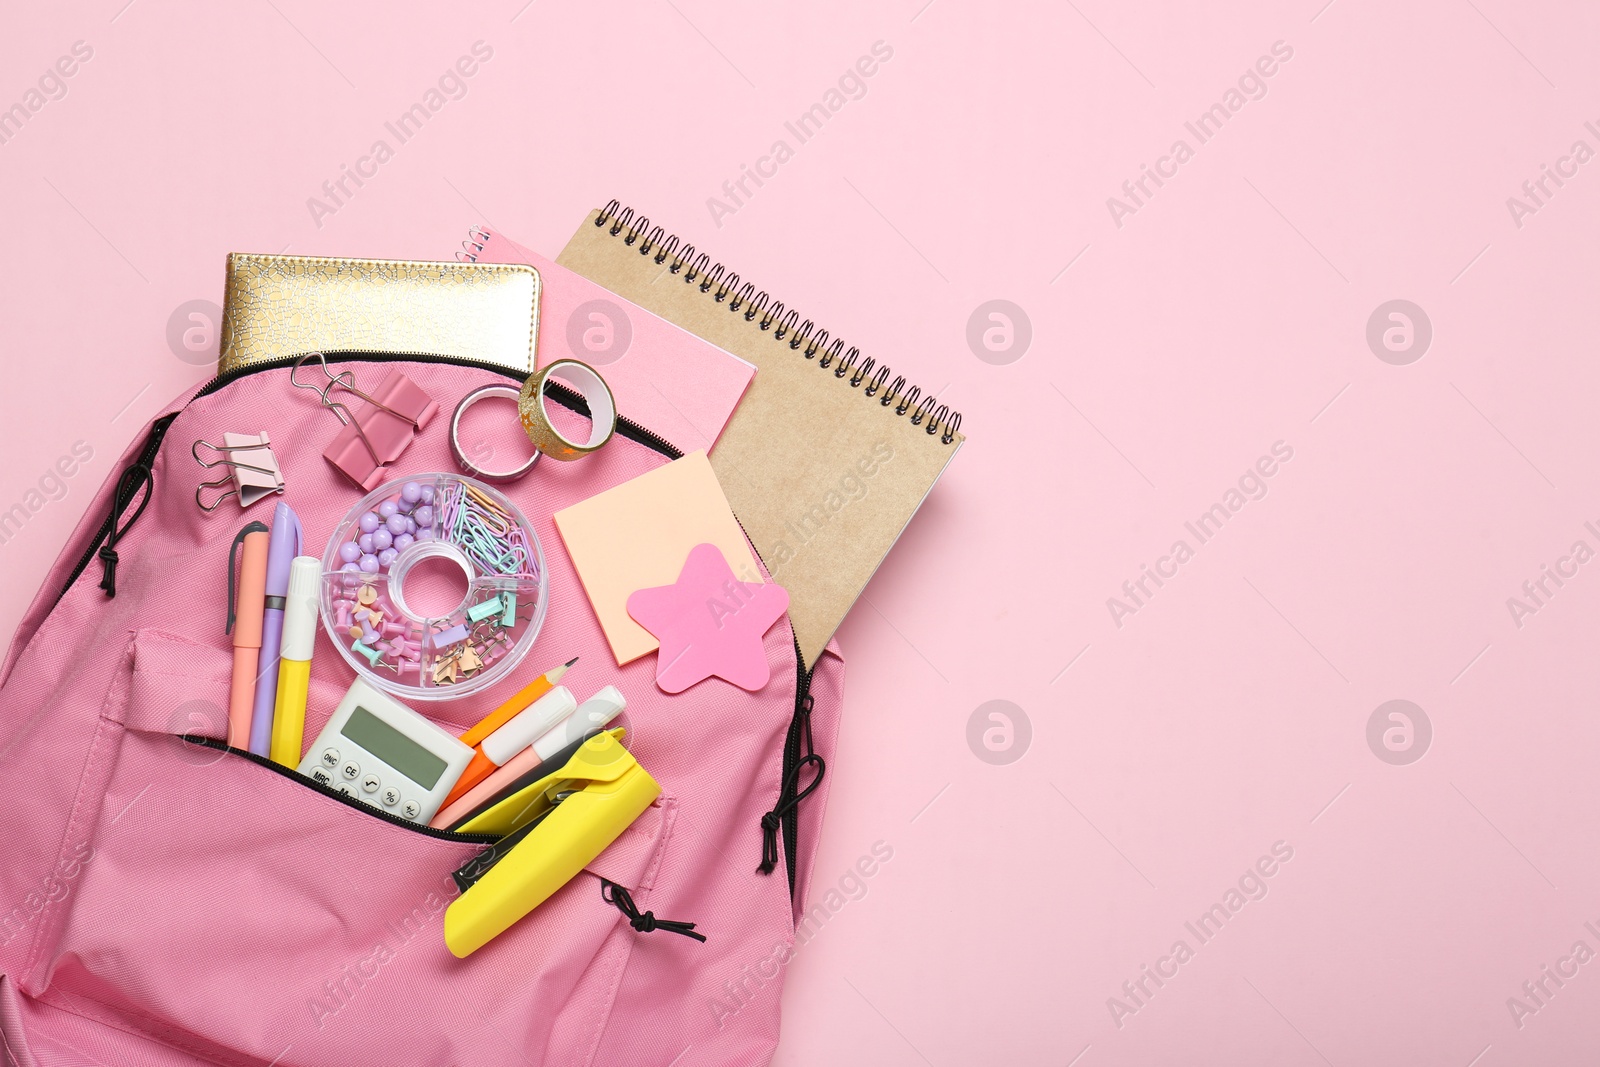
pixel 788 801
pixel 233 568
pixel 139 476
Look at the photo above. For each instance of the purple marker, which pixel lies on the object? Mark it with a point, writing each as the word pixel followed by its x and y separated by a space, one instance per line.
pixel 283 546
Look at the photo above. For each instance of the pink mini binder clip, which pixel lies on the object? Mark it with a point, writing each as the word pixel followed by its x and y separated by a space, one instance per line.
pixel 252 469
pixel 374 437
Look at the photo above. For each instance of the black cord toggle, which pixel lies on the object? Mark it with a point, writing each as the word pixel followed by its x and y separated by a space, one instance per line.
pixel 108 573
pixel 644 922
pixel 129 483
pixel 788 800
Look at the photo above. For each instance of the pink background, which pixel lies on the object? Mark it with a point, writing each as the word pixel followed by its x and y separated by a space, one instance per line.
pixel 1228 313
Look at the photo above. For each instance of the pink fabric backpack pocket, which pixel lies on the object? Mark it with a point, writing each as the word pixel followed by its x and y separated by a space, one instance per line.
pixel 314 918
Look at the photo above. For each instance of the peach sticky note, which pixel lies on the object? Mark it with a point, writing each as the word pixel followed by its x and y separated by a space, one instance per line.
pixel 637 535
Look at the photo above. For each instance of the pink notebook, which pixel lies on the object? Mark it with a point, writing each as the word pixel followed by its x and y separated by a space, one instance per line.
pixel 664 378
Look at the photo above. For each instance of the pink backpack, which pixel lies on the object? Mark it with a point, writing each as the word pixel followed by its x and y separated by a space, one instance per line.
pixel 175 902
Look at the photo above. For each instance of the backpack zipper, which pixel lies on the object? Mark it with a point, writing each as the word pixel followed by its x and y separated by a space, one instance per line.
pixel 329 791
pixel 152 444
pixel 564 396
pixel 799 734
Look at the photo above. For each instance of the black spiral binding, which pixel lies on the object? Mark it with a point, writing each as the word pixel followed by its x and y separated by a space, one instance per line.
pixel 742 298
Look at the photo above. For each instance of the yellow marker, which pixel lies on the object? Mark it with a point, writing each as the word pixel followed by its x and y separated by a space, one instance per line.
pixel 294 663
pixel 607 790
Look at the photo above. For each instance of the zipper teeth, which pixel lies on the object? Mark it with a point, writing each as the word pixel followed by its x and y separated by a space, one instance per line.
pixel 328 791
pixel 158 429
pixel 791 758
pixel 659 443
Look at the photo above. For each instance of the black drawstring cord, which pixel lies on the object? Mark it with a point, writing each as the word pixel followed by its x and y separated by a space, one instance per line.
pixel 617 895
pixel 131 481
pixel 788 800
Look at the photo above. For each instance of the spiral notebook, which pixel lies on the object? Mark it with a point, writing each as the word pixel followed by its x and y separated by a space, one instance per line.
pixel 828 455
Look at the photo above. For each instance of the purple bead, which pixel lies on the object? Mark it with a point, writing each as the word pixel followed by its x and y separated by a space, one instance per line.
pixel 349 552
pixel 424 535
pixel 411 525
pixel 427 494
pixel 397 524
pixel 364 543
pixel 382 538
pixel 424 515
pixel 403 542
pixel 387 557
pixel 369 563
pixel 351 566
pixel 387 508
pixel 368 522
pixel 411 492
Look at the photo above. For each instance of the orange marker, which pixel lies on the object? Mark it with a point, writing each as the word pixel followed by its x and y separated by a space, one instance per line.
pixel 246 608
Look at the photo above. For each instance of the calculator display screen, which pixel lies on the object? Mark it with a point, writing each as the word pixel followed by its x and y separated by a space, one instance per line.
pixel 394 748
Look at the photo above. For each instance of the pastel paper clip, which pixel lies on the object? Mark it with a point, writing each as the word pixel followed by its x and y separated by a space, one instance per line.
pixel 252 469
pixel 371 439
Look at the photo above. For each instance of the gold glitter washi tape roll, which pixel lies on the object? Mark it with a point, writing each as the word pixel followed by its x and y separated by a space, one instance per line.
pixel 536 420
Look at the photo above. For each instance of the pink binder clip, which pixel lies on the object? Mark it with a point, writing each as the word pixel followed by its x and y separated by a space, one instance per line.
pixel 374 437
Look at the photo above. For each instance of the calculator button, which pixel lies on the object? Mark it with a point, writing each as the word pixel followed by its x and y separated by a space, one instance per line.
pixel 321 776
pixel 370 784
pixel 330 757
pixel 411 810
pixel 346 790
pixel 351 770
pixel 391 797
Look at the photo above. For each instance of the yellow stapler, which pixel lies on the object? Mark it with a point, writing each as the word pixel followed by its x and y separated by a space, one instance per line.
pixel 554 827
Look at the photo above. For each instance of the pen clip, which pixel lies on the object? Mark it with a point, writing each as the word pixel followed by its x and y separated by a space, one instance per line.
pixel 299 535
pixel 233 569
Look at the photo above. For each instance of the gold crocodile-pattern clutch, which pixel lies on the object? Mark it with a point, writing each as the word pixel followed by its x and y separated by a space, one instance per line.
pixel 278 307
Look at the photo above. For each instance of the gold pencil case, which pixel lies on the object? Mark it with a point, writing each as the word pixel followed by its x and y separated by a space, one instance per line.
pixel 275 307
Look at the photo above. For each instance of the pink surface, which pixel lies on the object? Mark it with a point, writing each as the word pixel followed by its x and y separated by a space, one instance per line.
pixel 681 387
pixel 709 623
pixel 1166 356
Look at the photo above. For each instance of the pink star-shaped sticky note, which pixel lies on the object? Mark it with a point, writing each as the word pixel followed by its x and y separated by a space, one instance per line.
pixel 709 622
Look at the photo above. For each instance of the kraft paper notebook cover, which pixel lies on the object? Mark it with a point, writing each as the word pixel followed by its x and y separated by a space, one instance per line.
pixel 829 454
pixel 663 377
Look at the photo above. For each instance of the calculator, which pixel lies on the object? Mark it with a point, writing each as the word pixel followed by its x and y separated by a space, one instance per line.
pixel 380 752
